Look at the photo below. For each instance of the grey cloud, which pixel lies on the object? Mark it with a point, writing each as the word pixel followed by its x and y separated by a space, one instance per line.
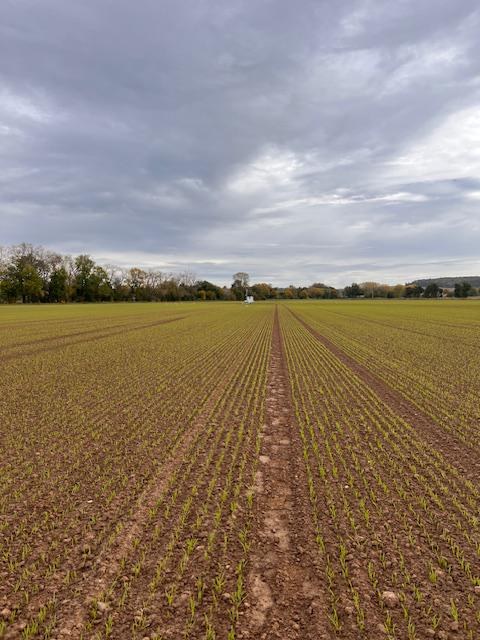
pixel 281 138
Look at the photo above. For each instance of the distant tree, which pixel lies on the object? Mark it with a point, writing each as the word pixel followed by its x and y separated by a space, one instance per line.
pixel 413 291
pixel 136 281
pixel 383 291
pixel 227 294
pixel 187 279
pixel 34 274
pixel 398 291
pixel 289 293
pixel 463 290
pixel 370 289
pixel 31 284
pixel 320 290
pixel 353 291
pixel 21 274
pixel 101 287
pixel 432 290
pixel 294 290
pixel 8 288
pixel 262 291
pixel 238 292
pixel 316 291
pixel 241 281
pixel 58 290
pixel 155 283
pixel 331 292
pixel 117 278
pixel 84 266
pixel 208 291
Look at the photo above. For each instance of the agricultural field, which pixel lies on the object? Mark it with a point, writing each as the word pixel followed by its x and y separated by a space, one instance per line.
pixel 218 471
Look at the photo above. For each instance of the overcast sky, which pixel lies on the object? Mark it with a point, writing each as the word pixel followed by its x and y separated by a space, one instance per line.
pixel 297 141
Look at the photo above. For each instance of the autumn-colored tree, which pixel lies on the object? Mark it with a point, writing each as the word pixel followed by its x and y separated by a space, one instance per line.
pixel 262 291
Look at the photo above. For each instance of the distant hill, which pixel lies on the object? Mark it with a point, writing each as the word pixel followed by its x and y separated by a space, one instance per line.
pixel 449 282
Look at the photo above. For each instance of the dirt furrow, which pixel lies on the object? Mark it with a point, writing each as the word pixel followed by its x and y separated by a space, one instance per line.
pixel 285 598
pixel 452 449
pixel 73 615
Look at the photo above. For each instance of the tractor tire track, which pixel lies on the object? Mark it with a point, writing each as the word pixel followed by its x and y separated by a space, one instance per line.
pixel 285 597
pixel 433 435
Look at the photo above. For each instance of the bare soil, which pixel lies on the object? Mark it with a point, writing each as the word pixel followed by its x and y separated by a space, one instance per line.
pixel 285 598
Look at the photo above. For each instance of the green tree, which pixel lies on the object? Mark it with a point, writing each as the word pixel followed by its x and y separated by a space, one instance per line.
pixel 463 290
pixel 30 283
pixel 21 274
pixel 210 291
pixel 413 291
pixel 432 290
pixel 84 266
pixel 58 285
pixel 100 287
pixel 353 291
pixel 137 280
pixel 8 285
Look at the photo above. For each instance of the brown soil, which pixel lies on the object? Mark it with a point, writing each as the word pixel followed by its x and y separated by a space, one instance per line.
pixel 286 590
pixel 285 599
pixel 452 449
pixel 108 562
pixel 74 613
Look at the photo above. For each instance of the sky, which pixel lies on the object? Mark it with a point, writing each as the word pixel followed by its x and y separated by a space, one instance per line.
pixel 297 141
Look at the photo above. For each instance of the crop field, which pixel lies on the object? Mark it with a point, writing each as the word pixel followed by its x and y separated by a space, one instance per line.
pixel 304 470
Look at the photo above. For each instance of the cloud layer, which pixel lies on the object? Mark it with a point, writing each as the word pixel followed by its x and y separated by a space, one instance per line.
pixel 296 141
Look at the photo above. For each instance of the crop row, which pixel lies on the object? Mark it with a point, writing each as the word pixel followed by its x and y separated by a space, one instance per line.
pixel 426 354
pixel 184 576
pixel 397 526
pixel 88 428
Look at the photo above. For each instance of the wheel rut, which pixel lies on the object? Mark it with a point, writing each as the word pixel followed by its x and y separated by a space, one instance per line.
pixel 285 599
pixel 453 450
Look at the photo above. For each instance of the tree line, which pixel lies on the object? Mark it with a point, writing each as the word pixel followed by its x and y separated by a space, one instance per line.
pixel 35 274
pixel 409 290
